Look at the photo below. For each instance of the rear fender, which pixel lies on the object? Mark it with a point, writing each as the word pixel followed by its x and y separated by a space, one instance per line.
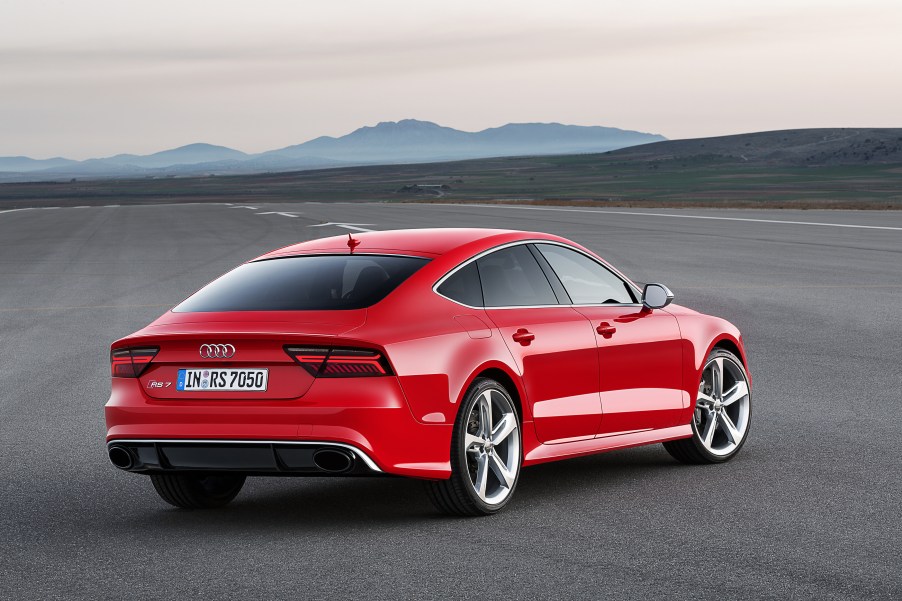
pixel 510 374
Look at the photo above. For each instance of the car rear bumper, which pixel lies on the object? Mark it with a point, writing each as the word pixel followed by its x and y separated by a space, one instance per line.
pixel 367 417
pixel 280 458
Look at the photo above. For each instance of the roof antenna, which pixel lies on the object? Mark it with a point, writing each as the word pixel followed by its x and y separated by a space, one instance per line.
pixel 353 243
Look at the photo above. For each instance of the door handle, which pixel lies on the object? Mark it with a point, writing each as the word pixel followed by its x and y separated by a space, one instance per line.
pixel 524 336
pixel 606 329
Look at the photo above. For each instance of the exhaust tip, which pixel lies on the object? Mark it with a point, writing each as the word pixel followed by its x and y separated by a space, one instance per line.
pixel 334 461
pixel 121 457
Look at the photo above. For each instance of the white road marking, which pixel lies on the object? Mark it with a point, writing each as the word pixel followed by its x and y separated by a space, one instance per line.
pixel 243 207
pixel 748 219
pixel 277 213
pixel 347 226
pixel 135 206
pixel 14 309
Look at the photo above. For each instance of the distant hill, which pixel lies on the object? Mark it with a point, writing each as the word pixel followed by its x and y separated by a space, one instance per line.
pixel 597 161
pixel 791 147
pixel 827 169
pixel 410 140
pixel 192 154
pixel 406 141
pixel 24 164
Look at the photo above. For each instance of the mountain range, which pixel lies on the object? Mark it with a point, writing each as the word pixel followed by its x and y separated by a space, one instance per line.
pixel 389 142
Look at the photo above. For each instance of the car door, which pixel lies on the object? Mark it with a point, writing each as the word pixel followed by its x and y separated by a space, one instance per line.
pixel 553 345
pixel 639 350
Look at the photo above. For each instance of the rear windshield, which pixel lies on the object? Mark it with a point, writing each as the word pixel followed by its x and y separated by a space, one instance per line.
pixel 308 283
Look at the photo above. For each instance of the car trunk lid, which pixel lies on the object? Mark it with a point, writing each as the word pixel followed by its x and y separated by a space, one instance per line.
pixel 228 341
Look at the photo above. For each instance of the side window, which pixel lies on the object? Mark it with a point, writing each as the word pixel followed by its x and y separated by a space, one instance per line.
pixel 512 278
pixel 463 286
pixel 586 281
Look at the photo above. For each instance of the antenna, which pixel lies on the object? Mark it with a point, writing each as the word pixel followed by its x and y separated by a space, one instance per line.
pixel 353 243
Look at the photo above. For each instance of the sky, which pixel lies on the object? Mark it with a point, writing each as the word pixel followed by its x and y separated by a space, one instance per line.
pixel 91 78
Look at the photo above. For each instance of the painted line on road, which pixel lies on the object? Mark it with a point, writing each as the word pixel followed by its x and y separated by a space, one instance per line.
pixel 131 206
pixel 283 213
pixel 348 226
pixel 15 309
pixel 748 219
pixel 791 286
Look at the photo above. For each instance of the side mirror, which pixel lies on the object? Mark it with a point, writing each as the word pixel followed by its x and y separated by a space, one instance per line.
pixel 656 296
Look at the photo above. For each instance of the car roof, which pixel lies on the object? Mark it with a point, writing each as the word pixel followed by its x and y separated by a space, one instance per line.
pixel 426 242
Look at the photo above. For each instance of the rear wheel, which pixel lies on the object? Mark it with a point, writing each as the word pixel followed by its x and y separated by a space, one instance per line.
pixel 723 412
pixel 192 491
pixel 485 454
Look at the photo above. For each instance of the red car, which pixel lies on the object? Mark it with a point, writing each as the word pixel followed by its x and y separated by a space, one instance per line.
pixel 456 356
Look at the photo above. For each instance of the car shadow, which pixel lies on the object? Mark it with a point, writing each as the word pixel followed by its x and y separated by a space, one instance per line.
pixel 330 504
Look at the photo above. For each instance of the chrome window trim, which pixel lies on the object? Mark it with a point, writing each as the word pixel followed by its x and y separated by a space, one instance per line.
pixel 366 459
pixel 489 251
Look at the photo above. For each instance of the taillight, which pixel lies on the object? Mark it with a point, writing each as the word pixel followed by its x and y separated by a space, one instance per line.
pixel 131 362
pixel 325 362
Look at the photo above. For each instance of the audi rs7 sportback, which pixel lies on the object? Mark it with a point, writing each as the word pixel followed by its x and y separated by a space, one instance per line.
pixel 456 356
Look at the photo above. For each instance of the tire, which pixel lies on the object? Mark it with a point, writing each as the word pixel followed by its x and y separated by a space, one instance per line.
pixel 719 395
pixel 198 491
pixel 493 461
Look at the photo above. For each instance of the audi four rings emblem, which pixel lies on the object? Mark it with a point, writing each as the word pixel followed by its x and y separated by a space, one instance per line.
pixel 217 351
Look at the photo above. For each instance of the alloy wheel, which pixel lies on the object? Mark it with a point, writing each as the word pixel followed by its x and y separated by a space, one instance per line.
pixel 492 447
pixel 723 407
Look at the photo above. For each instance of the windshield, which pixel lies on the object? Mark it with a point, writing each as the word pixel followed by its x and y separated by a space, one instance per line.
pixel 307 283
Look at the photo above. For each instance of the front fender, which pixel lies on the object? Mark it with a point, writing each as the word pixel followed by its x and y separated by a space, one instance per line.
pixel 700 334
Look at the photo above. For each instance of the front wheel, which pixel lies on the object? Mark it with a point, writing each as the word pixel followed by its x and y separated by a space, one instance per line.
pixel 723 412
pixel 191 491
pixel 485 454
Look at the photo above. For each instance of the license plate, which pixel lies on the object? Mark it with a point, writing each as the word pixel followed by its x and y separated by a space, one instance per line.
pixel 222 379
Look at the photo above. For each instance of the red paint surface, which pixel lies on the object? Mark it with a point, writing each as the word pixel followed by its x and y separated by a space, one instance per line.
pixel 579 391
pixel 641 365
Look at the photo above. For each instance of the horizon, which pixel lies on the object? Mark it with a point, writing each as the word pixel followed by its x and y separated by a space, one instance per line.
pixel 250 153
pixel 383 122
pixel 104 78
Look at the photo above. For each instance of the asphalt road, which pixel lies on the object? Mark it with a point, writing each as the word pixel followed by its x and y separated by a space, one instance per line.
pixel 811 508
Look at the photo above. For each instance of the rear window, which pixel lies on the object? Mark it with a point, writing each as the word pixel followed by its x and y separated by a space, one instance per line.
pixel 308 283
